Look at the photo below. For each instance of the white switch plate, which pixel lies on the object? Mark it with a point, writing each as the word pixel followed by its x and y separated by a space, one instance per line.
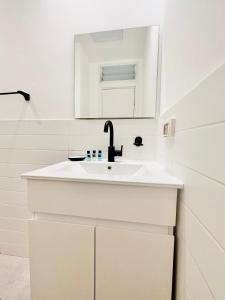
pixel 169 127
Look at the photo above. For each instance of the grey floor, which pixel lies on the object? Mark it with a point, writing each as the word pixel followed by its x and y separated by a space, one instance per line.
pixel 14 278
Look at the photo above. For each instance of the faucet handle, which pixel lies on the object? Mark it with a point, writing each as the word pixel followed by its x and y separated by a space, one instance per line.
pixel 119 152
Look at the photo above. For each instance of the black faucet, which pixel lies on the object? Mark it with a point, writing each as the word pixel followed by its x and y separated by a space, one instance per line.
pixel 112 152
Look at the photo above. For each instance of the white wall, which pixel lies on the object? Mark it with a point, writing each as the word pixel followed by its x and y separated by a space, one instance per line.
pixel 37 56
pixel 194 46
pixel 196 156
pixel 37 48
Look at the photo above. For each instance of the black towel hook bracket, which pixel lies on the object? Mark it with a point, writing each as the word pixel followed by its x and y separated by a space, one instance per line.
pixel 25 95
pixel 138 141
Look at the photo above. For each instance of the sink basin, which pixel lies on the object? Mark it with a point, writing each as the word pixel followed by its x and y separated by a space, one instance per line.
pixel 120 172
pixel 104 168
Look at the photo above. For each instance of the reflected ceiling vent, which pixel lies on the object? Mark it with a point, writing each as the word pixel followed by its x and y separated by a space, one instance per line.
pixel 118 72
pixel 107 36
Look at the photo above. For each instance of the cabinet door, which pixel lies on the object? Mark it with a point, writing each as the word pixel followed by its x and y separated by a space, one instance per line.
pixel 133 265
pixel 62 261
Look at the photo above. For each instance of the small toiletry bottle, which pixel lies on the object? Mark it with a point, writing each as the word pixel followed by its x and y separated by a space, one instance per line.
pixel 99 154
pixel 88 156
pixel 94 155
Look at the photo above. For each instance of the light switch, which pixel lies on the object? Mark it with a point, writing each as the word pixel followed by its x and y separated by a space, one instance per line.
pixel 169 127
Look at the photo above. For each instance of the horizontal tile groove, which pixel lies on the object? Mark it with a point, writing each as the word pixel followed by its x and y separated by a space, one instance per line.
pixel 15 177
pixel 21 233
pixel 17 134
pixel 97 134
pixel 204 226
pixel 13 218
pixel 23 164
pixel 12 204
pixel 12 190
pixel 12 177
pixel 32 134
pixel 198 172
pixel 36 150
pixel 7 177
pixel 38 121
pixel 199 269
pixel 201 126
pixel 195 86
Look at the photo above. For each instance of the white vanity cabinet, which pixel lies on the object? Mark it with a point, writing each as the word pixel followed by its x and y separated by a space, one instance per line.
pixel 62 261
pixel 99 241
pixel 133 265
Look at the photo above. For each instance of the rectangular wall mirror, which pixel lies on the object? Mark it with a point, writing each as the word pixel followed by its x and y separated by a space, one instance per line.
pixel 116 73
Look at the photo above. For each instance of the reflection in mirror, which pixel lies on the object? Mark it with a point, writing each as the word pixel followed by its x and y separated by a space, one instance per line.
pixel 116 73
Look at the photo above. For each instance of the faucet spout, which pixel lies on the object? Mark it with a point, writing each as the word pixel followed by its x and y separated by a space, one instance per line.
pixel 109 126
pixel 112 152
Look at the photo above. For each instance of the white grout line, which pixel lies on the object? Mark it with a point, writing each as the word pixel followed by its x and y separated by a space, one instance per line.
pixel 201 126
pixel 198 172
pixel 198 267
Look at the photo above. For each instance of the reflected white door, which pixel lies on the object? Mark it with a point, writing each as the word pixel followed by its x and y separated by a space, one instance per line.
pixel 118 102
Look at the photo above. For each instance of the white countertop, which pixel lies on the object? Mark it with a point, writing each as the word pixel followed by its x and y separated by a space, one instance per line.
pixel 124 172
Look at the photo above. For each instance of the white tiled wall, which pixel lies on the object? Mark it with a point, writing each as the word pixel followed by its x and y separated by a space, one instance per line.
pixel 197 155
pixel 30 144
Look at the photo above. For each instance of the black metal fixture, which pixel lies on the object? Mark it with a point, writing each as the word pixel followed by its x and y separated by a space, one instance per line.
pixel 112 152
pixel 25 95
pixel 138 141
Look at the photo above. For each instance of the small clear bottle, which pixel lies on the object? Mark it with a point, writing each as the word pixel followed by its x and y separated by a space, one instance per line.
pixel 94 155
pixel 99 154
pixel 88 156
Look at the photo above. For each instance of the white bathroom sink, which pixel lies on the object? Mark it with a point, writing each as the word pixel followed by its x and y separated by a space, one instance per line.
pixel 104 168
pixel 121 172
